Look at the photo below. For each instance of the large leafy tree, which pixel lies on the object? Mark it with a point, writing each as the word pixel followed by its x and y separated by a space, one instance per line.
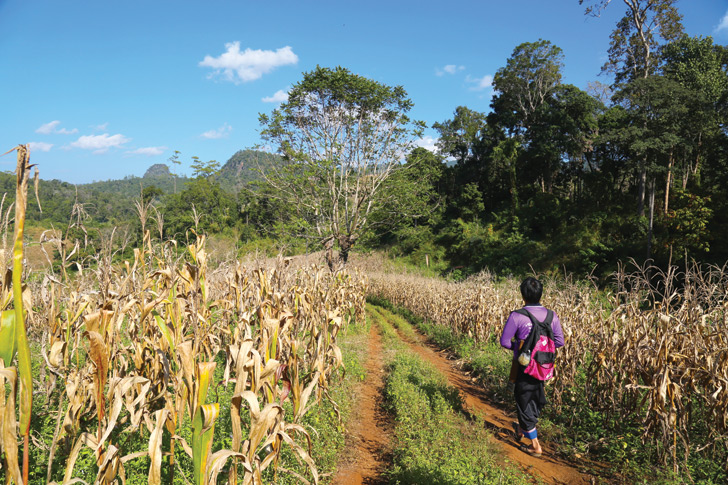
pixel 636 41
pixel 526 81
pixel 701 68
pixel 524 87
pixel 463 138
pixel 562 134
pixel 460 136
pixel 658 106
pixel 341 136
pixel 634 49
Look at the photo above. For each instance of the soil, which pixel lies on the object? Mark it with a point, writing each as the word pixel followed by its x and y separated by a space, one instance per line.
pixel 368 454
pixel 368 450
pixel 34 255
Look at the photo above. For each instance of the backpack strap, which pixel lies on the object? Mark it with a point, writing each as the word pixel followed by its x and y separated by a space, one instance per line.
pixel 544 327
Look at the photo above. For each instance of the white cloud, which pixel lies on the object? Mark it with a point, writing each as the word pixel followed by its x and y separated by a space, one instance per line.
pixel 101 127
pixel 100 143
pixel 449 69
pixel 52 127
pixel 222 132
pixel 280 96
pixel 148 151
pixel 48 128
pixel 39 146
pixel 480 83
pixel 427 142
pixel 723 25
pixel 248 65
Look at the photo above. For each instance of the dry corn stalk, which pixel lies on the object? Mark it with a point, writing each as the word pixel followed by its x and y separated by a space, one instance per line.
pixel 136 344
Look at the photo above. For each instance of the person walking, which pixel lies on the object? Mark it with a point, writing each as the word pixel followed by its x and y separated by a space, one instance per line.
pixel 528 391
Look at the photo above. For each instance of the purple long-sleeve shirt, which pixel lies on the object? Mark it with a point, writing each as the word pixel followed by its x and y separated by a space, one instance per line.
pixel 519 326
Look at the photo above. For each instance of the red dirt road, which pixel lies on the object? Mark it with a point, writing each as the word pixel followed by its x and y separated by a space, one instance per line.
pixel 368 448
pixel 548 468
pixel 367 455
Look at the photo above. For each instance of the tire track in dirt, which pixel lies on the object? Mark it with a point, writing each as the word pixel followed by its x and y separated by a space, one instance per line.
pixel 549 468
pixel 368 441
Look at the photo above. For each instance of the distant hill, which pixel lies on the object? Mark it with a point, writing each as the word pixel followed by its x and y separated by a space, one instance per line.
pixel 158 169
pixel 111 201
pixel 131 186
pixel 244 167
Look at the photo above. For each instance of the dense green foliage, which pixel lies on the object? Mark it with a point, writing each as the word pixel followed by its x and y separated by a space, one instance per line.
pixel 553 178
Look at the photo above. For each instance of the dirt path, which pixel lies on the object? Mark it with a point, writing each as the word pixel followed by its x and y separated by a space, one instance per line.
pixel 367 453
pixel 368 447
pixel 548 468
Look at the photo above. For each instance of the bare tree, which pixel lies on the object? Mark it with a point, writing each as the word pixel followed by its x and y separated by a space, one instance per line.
pixel 341 136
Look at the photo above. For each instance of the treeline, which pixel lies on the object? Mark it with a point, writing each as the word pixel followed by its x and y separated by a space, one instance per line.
pixel 555 176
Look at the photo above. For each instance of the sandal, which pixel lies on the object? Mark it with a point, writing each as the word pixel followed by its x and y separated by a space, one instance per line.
pixel 528 450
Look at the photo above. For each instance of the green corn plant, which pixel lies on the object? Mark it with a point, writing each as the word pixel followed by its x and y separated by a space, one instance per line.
pixel 7 336
pixel 8 438
pixel 203 421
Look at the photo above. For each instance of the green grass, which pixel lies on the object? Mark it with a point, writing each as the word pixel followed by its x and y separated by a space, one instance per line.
pixel 400 323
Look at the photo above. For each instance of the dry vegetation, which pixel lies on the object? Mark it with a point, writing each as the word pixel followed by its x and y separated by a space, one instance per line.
pixel 653 351
pixel 133 348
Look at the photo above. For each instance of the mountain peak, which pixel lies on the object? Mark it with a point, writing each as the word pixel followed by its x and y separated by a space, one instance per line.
pixel 157 169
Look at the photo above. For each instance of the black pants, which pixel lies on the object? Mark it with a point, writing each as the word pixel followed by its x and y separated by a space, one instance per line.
pixel 530 400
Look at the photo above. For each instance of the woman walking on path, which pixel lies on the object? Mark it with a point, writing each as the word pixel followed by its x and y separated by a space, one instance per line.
pixel 528 391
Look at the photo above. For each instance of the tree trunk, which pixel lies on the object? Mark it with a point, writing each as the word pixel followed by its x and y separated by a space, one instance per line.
pixel 652 217
pixel 345 243
pixel 696 170
pixel 329 254
pixel 668 182
pixel 514 187
pixel 641 191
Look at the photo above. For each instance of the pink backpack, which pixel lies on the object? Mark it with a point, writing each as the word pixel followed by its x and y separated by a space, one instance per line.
pixel 540 345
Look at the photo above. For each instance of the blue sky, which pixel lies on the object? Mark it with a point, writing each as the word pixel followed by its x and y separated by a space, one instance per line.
pixel 104 89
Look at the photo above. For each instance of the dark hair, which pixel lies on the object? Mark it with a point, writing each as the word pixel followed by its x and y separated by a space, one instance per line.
pixel 531 290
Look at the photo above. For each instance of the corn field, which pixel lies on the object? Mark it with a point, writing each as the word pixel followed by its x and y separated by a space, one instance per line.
pixel 144 346
pixel 133 349
pixel 653 350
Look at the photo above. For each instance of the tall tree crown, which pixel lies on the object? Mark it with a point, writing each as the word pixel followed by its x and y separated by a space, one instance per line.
pixel 635 43
pixel 529 76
